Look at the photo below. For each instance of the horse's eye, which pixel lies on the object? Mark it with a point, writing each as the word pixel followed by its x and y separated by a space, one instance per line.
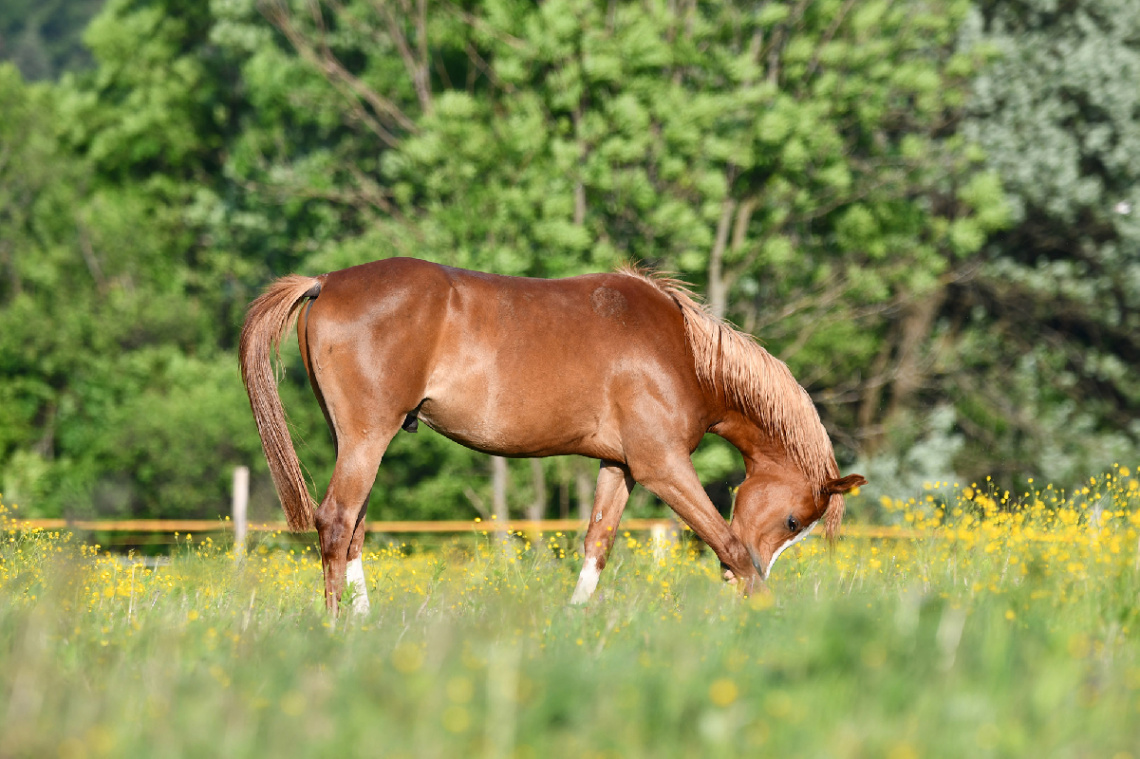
pixel 792 524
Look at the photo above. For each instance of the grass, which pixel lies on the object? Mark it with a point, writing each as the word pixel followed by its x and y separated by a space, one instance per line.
pixel 1012 630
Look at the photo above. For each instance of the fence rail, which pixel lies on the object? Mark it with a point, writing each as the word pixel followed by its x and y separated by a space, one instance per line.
pixel 240 524
pixel 454 526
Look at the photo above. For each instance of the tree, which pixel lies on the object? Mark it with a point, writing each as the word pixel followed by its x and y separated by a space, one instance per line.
pixel 810 166
pixel 797 162
pixel 1049 322
pixel 42 37
pixel 111 297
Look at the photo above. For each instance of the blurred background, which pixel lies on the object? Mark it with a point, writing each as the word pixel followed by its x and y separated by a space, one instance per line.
pixel 928 209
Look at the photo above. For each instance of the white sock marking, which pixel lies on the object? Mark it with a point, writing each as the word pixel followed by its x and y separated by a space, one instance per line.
pixel 587 582
pixel 787 544
pixel 354 584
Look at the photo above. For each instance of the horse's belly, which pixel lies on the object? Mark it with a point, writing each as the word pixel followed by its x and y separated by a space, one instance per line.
pixel 543 428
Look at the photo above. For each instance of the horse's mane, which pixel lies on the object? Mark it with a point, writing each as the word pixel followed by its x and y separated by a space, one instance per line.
pixel 755 383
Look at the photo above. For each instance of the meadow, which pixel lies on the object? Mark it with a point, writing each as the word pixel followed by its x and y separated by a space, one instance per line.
pixel 1010 627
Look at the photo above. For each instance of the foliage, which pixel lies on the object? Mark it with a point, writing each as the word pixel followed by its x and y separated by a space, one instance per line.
pixel 813 168
pixel 796 164
pixel 1000 634
pixel 103 303
pixel 514 141
pixel 42 37
pixel 1052 311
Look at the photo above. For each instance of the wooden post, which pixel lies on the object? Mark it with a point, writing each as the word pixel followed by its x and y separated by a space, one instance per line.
pixel 240 507
pixel 663 539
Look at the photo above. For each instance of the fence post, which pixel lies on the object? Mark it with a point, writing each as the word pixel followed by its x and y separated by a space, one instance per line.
pixel 240 506
pixel 663 538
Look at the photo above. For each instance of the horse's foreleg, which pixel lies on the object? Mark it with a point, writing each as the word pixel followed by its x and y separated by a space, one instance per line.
pixel 614 486
pixel 675 482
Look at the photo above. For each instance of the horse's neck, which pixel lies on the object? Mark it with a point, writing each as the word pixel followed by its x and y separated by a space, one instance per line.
pixel 762 451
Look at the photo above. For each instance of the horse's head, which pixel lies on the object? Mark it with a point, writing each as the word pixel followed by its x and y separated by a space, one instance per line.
pixel 773 513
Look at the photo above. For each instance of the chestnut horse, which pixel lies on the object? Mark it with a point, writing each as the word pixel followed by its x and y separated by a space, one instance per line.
pixel 625 367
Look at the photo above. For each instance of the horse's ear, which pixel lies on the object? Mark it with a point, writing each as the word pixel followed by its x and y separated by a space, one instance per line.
pixel 835 506
pixel 843 484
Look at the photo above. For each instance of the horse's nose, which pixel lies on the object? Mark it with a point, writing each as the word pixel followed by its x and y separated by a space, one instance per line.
pixel 761 566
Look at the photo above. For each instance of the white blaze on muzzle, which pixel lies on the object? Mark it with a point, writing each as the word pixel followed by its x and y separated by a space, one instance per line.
pixel 787 544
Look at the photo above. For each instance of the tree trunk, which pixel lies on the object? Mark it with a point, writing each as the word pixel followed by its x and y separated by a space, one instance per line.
pixel 911 361
pixel 499 495
pixel 720 280
pixel 584 485
pixel 870 415
pixel 718 287
pixel 537 508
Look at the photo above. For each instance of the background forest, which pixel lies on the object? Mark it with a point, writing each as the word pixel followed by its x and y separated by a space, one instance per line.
pixel 929 209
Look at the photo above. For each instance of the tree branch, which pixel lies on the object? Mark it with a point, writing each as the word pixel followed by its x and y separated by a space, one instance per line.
pixel 415 62
pixel 349 86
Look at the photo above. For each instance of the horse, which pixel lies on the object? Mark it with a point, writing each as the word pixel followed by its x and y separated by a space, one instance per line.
pixel 626 367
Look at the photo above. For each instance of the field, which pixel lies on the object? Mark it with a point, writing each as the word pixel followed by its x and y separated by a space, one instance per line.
pixel 1012 629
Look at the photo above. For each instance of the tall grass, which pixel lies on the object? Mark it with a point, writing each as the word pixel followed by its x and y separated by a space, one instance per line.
pixel 1011 630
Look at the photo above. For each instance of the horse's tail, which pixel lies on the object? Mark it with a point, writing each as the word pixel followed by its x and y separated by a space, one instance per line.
pixel 268 319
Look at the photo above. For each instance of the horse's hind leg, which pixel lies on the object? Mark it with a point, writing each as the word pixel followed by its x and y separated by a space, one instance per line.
pixel 614 486
pixel 340 518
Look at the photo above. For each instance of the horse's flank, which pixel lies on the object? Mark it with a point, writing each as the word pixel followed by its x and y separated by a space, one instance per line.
pixel 752 381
